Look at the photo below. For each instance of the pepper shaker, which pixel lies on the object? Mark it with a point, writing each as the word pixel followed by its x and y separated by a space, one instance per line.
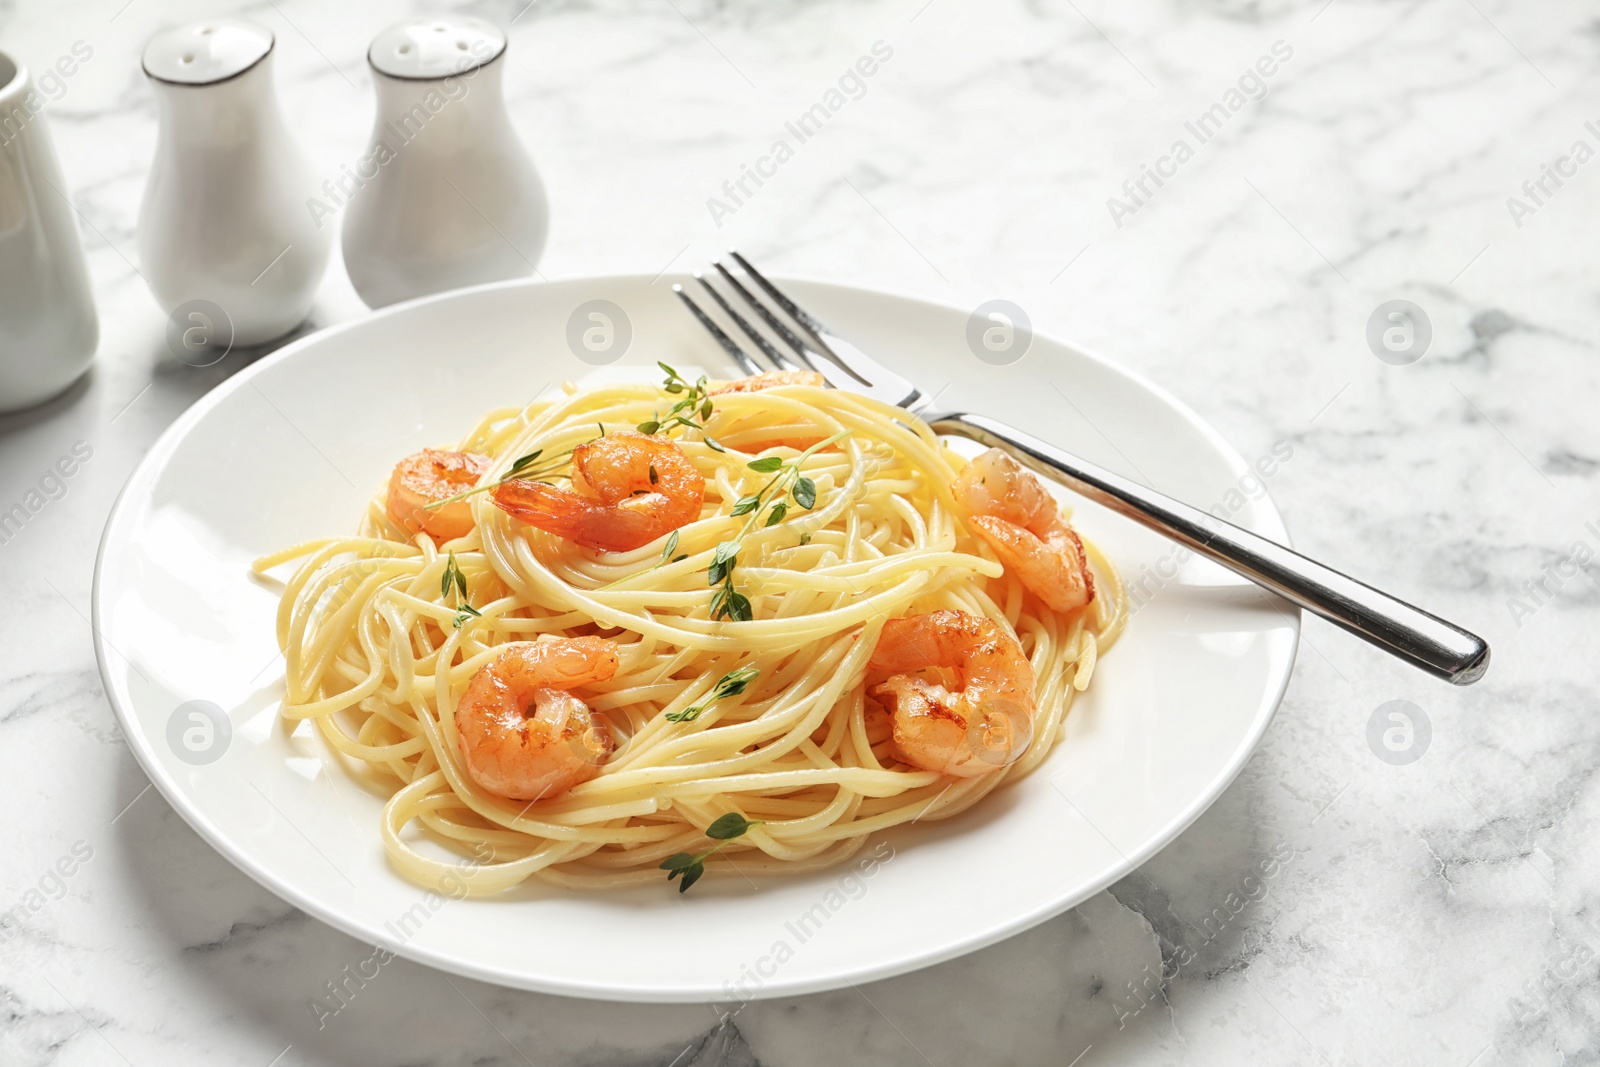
pixel 48 327
pixel 226 218
pixel 445 195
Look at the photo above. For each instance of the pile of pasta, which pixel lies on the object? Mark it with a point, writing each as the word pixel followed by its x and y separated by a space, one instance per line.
pixel 382 631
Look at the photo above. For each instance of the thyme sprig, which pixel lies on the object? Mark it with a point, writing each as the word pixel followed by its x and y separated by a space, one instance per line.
pixel 527 466
pixel 692 412
pixel 453 579
pixel 729 685
pixel 692 866
pixel 787 485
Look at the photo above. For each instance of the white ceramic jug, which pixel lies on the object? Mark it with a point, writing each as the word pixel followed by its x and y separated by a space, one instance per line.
pixel 226 219
pixel 445 195
pixel 48 328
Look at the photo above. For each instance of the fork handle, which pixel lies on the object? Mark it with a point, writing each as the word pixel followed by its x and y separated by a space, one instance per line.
pixel 1407 632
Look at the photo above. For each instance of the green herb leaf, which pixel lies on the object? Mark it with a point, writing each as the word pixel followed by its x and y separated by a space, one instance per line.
pixel 775 516
pixel 738 606
pixel 729 685
pixel 673 387
pixel 464 612
pixel 712 442
pixel 805 493
pixel 722 562
pixel 649 426
pixel 735 682
pixel 765 465
pixel 677 862
pixel 746 504
pixel 672 545
pixel 524 462
pixel 705 409
pixel 805 539
pixel 730 826
pixel 691 875
pixel 453 577
pixel 672 375
pixel 680 559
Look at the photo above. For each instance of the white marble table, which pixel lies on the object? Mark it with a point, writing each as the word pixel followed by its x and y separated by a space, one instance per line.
pixel 1446 911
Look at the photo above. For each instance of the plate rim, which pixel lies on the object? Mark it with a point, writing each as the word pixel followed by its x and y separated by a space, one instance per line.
pixel 140 743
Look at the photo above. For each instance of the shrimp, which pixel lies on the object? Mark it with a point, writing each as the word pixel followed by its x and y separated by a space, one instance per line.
pixel 627 490
pixel 985 726
pixel 523 735
pixel 757 382
pixel 772 379
pixel 1017 517
pixel 428 477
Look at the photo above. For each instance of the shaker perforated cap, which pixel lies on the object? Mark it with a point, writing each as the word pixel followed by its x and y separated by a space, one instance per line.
pixel 203 53
pixel 425 49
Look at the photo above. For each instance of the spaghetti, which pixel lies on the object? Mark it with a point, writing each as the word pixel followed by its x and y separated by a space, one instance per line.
pixel 383 631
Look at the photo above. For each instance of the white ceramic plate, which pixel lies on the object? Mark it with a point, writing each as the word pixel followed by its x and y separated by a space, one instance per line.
pixel 291 447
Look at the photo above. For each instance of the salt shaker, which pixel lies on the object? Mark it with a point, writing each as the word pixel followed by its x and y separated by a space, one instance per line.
pixel 227 218
pixel 445 195
pixel 48 328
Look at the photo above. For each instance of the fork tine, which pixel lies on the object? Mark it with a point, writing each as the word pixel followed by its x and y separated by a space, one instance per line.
pixel 778 359
pixel 798 313
pixel 841 363
pixel 729 345
pixel 779 327
pixel 824 355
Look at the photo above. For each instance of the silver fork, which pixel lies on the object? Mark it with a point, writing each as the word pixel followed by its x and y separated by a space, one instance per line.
pixel 1407 632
